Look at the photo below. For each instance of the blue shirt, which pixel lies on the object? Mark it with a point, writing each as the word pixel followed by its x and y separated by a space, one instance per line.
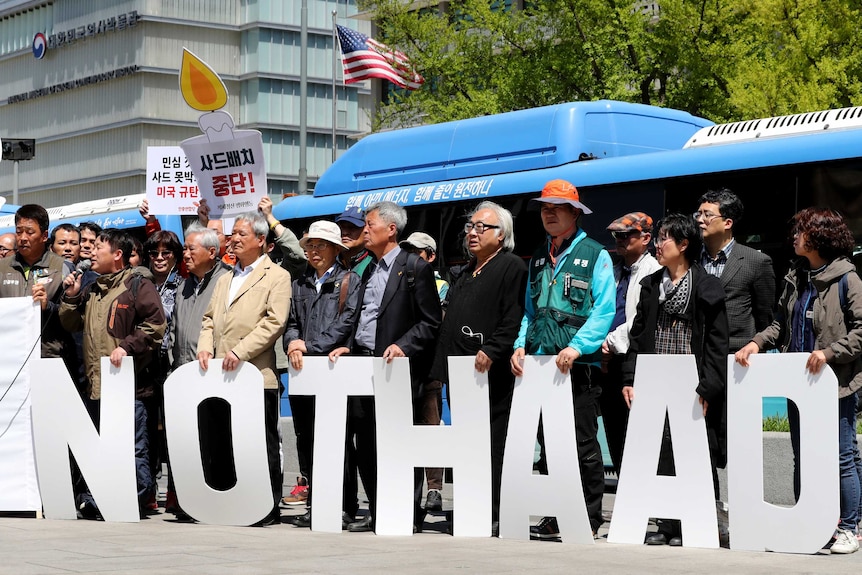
pixel 366 329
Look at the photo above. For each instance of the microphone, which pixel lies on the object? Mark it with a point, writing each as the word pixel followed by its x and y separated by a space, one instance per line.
pixel 82 267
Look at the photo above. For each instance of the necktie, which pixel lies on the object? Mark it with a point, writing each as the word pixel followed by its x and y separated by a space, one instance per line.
pixel 622 289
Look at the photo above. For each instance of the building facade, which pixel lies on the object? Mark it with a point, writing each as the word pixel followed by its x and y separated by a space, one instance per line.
pixel 106 87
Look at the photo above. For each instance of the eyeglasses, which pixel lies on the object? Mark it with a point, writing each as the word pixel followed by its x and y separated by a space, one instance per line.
pixel 659 242
pixel 480 227
pixel 154 254
pixel 625 235
pixel 4 250
pixel 316 247
pixel 706 217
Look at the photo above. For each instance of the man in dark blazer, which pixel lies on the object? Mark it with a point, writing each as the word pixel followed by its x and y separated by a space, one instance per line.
pixel 748 280
pixel 400 317
pixel 746 274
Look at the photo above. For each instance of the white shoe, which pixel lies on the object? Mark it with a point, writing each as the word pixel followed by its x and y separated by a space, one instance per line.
pixel 845 542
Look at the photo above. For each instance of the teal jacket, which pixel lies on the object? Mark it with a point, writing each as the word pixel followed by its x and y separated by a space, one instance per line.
pixel 595 329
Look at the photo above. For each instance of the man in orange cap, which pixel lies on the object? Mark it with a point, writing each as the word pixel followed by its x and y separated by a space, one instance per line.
pixel 570 316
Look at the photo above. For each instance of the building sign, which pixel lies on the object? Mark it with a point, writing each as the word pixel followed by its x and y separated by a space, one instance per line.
pixel 72 84
pixel 474 189
pixel 72 35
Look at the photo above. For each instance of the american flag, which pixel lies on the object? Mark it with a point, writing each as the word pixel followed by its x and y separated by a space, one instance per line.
pixel 364 57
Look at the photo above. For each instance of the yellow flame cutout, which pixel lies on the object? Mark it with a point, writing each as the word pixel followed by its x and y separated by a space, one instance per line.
pixel 201 87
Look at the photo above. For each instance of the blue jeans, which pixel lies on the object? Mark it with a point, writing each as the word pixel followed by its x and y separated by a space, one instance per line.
pixel 849 463
pixel 146 485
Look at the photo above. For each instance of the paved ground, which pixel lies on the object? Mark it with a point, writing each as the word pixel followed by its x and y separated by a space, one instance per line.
pixel 160 544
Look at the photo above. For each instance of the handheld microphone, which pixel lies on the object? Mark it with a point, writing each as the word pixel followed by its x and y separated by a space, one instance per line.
pixel 83 266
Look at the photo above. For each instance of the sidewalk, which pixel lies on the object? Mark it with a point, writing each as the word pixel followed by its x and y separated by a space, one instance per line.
pixel 161 545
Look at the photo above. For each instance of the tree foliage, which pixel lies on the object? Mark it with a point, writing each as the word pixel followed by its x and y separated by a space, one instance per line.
pixel 723 59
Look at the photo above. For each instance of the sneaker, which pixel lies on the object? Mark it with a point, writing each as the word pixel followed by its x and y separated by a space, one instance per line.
pixel 433 501
pixel 546 529
pixel 88 510
pixel 845 542
pixel 151 505
pixel 299 493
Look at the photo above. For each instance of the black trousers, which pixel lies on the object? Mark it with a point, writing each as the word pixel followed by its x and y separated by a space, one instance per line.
pixel 614 411
pixel 586 404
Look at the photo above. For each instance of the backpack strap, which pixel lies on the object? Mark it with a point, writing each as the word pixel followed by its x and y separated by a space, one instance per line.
pixel 342 294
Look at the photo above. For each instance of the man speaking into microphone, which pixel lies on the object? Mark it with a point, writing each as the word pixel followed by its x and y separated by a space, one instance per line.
pixel 38 272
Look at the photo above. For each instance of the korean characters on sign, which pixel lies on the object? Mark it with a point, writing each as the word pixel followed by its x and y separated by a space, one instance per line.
pixel 172 188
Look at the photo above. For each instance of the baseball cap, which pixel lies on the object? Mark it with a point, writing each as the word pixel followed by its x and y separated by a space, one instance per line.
pixel 352 215
pixel 419 240
pixel 633 221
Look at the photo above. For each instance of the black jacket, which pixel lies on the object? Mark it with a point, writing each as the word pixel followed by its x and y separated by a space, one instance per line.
pixel 314 317
pixel 709 344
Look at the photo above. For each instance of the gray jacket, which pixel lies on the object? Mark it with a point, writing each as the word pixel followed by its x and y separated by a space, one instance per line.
pixel 838 334
pixel 191 302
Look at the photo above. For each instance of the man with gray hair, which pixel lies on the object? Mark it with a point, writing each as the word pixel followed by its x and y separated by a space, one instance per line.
pixel 246 316
pixel 399 317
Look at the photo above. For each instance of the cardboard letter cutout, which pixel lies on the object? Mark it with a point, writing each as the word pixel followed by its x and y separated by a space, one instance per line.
pixel 331 384
pixel 250 500
pixel 465 445
pixel 666 384
pixel 106 458
pixel 754 524
pixel 543 389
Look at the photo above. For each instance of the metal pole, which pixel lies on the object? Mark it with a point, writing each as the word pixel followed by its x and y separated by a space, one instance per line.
pixel 302 183
pixel 335 48
pixel 15 182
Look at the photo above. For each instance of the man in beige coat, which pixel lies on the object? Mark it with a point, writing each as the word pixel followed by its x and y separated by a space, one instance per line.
pixel 246 316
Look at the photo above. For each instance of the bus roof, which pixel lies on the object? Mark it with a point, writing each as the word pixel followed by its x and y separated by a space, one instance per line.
pixel 622 169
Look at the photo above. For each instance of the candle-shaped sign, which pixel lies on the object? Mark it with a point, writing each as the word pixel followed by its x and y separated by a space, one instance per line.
pixel 228 163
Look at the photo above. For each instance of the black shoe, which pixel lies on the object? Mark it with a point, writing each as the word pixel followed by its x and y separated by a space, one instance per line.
pixel 675 541
pixel 419 520
pixel 361 526
pixel 495 528
pixel 433 501
pixel 88 510
pixel 545 529
pixel 274 518
pixel 346 519
pixel 657 538
pixel 303 520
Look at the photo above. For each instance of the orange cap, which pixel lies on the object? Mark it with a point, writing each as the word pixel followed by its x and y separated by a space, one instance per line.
pixel 562 192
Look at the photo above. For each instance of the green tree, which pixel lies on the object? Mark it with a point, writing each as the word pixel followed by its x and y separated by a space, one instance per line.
pixel 723 59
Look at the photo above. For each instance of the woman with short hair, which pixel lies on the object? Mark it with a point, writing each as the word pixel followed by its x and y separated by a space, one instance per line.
pixel 820 313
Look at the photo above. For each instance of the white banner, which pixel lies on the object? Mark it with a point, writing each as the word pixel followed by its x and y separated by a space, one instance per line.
pixel 19 488
pixel 172 188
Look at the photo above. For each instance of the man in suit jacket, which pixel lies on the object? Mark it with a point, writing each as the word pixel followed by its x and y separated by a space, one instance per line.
pixel 746 274
pixel 400 317
pixel 748 280
pixel 245 317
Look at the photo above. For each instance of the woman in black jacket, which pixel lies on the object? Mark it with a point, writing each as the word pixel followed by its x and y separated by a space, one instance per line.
pixel 682 311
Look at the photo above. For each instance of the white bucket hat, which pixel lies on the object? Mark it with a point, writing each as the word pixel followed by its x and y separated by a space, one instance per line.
pixel 324 230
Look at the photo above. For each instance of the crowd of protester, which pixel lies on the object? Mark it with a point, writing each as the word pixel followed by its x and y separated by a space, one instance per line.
pixel 353 286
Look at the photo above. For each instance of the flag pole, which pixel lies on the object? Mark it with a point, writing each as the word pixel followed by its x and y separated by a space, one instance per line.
pixel 302 183
pixel 335 48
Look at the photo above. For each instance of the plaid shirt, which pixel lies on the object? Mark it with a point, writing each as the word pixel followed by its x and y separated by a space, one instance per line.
pixel 672 334
pixel 715 266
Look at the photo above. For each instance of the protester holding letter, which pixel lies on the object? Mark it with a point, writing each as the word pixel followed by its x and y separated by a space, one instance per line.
pixel 400 317
pixel 682 311
pixel 486 304
pixel 246 316
pixel 120 315
pixel 820 312
pixel 323 311
pixel 568 309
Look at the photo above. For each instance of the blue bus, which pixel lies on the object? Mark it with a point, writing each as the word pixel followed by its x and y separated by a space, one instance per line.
pixel 622 157
pixel 119 212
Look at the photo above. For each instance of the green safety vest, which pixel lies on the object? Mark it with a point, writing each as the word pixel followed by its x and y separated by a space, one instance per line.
pixel 562 301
